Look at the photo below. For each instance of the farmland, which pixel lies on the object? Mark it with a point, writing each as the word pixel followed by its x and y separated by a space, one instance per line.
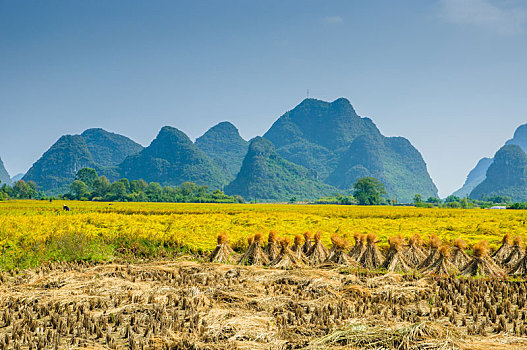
pixel 35 231
pixel 137 275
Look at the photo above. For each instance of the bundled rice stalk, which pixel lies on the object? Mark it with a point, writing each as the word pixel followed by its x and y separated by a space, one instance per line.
pixel 481 264
pixel 458 257
pixel 515 255
pixel 372 258
pixel 504 250
pixel 433 254
pixel 223 252
pixel 395 260
pixel 254 254
pixel 286 259
pixel 338 252
pixel 413 253
pixel 307 242
pixel 521 267
pixel 356 252
pixel 318 253
pixel 297 249
pixel 273 246
pixel 442 266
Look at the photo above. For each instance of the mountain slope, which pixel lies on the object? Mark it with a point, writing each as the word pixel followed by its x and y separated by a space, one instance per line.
pixel 225 146
pixel 340 146
pixel 474 178
pixel 107 148
pixel 95 148
pixel 478 174
pixel 4 175
pixel 266 176
pixel 172 159
pixel 519 138
pixel 17 177
pixel 507 175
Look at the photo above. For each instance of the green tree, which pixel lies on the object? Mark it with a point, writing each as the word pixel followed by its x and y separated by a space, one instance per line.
pixel 138 186
pixel 418 199
pixel 452 198
pixel 117 191
pixel 79 189
pixel 433 200
pixel 101 186
pixel 154 192
pixel 24 190
pixel 87 175
pixel 368 191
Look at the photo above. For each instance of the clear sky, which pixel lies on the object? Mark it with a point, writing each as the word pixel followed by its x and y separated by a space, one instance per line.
pixel 450 75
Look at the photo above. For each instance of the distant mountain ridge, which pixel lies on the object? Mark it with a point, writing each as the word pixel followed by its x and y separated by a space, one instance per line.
pixel 478 175
pixel 506 176
pixel 225 146
pixel 172 159
pixel 474 178
pixel 4 175
pixel 340 146
pixel 94 148
pixel 265 176
pixel 318 148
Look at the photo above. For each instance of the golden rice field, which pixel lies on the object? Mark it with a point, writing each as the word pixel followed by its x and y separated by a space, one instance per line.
pixel 27 228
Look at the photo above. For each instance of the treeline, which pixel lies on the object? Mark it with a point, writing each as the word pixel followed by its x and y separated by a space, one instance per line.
pixel 20 190
pixel 370 191
pixel 89 186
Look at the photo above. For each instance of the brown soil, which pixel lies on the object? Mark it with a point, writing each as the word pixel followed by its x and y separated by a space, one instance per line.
pixel 182 304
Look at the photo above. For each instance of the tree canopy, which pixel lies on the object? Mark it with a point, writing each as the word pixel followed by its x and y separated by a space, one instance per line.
pixel 368 191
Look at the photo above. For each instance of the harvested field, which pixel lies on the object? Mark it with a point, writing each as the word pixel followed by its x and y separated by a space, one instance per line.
pixel 184 304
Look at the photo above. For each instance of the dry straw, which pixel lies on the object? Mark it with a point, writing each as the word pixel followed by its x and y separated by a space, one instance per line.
pixel 481 264
pixel 413 253
pixel 371 258
pixel 254 254
pixel 504 250
pixel 318 252
pixel 395 260
pixel 223 252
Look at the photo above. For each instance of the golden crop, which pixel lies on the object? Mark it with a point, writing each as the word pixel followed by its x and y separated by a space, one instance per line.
pixel 28 224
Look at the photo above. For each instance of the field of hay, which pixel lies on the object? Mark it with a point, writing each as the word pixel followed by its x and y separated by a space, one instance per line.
pixel 32 232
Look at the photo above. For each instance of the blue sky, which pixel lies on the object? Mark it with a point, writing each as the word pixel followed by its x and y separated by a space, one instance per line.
pixel 450 75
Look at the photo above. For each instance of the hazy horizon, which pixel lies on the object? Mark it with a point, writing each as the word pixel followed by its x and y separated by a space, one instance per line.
pixel 449 75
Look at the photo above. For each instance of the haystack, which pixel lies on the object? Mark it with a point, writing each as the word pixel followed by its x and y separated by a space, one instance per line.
pixel 458 257
pixel 372 257
pixel 395 260
pixel 521 266
pixel 338 252
pixel 442 266
pixel 318 253
pixel 433 254
pixel 286 259
pixel 504 250
pixel 358 249
pixel 254 254
pixel 413 253
pixel 273 246
pixel 515 255
pixel 223 252
pixel 307 242
pixel 481 264
pixel 297 249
